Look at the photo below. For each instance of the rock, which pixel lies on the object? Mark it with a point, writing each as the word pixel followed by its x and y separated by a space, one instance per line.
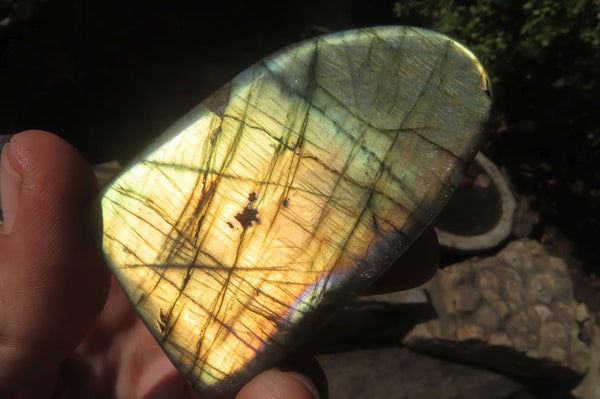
pixel 289 190
pixel 376 320
pixel 399 373
pixel 589 388
pixel 412 296
pixel 525 218
pixel 479 216
pixel 513 312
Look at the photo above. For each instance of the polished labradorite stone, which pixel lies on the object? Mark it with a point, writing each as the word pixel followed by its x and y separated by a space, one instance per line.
pixel 288 190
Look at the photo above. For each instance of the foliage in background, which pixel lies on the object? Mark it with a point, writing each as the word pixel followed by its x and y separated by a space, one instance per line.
pixel 544 60
pixel 514 37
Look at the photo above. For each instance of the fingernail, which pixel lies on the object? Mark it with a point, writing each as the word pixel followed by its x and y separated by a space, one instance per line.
pixel 312 388
pixel 10 189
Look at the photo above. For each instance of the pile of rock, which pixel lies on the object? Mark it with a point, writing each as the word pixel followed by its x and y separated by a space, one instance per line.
pixel 513 313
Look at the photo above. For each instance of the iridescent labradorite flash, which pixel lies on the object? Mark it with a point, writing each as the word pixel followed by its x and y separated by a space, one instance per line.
pixel 288 190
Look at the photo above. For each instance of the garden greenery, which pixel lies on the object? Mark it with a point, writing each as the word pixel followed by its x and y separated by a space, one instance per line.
pixel 516 37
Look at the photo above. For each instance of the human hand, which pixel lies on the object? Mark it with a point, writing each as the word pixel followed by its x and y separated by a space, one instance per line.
pixel 67 329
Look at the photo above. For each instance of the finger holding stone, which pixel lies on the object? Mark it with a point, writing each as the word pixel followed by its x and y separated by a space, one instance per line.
pixel 53 281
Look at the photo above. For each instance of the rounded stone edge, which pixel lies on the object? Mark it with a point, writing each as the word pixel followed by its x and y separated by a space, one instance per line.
pixel 503 228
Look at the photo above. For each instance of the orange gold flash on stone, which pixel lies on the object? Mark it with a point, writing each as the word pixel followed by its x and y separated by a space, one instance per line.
pixel 288 190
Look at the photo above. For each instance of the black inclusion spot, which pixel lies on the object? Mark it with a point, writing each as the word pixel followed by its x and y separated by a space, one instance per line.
pixel 248 217
pixel 286 203
pixel 375 224
pixel 252 197
pixel 230 225
pixel 162 316
pixel 162 321
pixel 487 89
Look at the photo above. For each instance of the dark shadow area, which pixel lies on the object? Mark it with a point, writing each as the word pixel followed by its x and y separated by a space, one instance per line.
pixel 109 76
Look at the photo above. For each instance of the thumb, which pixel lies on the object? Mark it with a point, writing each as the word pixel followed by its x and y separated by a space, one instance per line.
pixel 53 281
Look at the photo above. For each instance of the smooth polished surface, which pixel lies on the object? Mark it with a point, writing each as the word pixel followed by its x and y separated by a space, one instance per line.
pixel 289 190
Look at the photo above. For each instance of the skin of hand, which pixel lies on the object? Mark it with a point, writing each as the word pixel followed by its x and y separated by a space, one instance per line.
pixel 67 329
